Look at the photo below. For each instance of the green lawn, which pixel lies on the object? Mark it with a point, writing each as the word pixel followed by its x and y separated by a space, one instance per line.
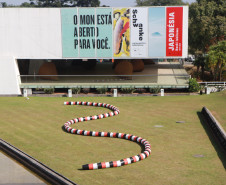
pixel 35 126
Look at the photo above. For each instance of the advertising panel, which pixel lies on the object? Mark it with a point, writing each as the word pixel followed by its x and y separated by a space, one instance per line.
pixel 87 32
pixel 104 35
pixel 174 26
pixel 139 32
pixel 69 33
pixel 121 29
pixel 157 32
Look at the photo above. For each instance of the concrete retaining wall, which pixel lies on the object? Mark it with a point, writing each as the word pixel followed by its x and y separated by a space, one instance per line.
pixel 216 128
pixel 40 169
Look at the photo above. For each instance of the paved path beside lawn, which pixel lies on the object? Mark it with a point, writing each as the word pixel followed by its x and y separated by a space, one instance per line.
pixel 13 173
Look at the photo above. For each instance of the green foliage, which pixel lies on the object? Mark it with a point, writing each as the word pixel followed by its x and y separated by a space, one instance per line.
pixel 39 89
pixel 27 5
pixel 159 2
pixel 217 59
pixel 206 24
pixel 141 90
pixel 84 3
pixel 206 27
pixel 127 90
pixel 193 85
pixel 86 90
pixel 48 90
pixel 76 90
pixel 62 3
pixel 154 90
pixel 3 4
pixel 200 61
pixel 101 90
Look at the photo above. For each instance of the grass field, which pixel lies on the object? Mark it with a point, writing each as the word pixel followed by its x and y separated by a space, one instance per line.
pixel 35 126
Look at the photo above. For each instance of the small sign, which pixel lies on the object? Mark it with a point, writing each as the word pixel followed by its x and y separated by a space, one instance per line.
pixel 162 92
pixel 25 92
pixel 208 90
pixel 69 93
pixel 115 92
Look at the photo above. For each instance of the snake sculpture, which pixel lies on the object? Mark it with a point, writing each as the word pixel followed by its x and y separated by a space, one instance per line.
pixel 101 165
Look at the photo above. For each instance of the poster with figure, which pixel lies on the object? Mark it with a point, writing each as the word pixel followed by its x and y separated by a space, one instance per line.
pixel 139 32
pixel 121 32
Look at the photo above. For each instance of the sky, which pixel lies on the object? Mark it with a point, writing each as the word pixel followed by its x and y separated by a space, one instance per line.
pixel 112 3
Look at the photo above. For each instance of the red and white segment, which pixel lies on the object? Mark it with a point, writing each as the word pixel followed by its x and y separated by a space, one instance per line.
pixel 101 165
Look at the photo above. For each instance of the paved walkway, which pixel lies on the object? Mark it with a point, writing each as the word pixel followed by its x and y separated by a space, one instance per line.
pixel 173 68
pixel 13 173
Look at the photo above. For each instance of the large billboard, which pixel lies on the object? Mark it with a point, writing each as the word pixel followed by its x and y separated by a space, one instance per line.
pixel 138 32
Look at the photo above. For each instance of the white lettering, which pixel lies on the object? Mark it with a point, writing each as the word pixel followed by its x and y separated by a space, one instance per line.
pixel 171 34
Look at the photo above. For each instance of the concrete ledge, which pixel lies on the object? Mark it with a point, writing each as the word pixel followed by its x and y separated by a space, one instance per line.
pixel 216 128
pixel 40 169
pixel 104 95
pixel 69 86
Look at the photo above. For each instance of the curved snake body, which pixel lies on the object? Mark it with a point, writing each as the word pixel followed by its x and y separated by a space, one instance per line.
pixel 101 165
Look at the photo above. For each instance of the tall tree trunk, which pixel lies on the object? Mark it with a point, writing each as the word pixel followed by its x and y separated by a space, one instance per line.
pixel 221 70
pixel 202 69
pixel 198 66
pixel 220 73
pixel 218 69
pixel 215 73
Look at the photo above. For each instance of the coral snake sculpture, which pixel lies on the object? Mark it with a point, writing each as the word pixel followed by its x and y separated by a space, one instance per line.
pixel 115 111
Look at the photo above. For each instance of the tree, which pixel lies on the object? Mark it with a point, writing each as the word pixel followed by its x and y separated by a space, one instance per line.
pixel 4 4
pixel 159 2
pixel 206 27
pixel 49 3
pixel 200 62
pixel 65 3
pixel 206 24
pixel 217 59
pixel 91 3
pixel 26 4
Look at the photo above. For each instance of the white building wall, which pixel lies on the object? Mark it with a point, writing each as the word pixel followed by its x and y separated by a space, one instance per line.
pixel 26 33
pixel 35 33
pixel 30 33
pixel 185 32
pixel 9 81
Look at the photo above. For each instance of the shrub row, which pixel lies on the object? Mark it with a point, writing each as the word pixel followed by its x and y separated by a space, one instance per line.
pixel 103 90
pixel 122 90
pixel 193 87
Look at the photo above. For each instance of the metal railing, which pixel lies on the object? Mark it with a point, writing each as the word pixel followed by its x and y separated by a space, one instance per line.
pixel 102 78
pixel 213 83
